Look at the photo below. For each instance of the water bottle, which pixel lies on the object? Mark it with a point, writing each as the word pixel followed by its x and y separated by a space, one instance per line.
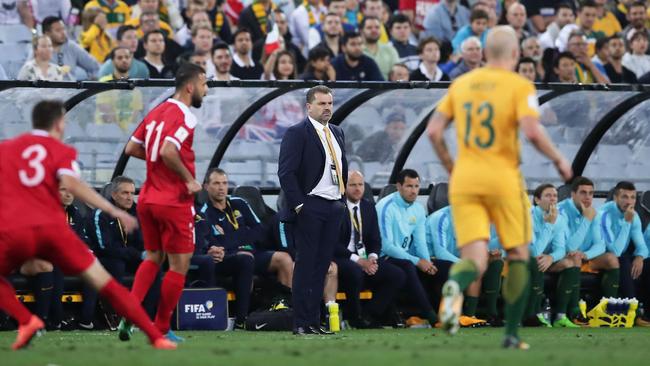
pixel 334 320
pixel 582 305
pixel 546 310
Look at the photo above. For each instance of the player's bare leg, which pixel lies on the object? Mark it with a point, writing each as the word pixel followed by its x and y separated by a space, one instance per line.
pixel 474 257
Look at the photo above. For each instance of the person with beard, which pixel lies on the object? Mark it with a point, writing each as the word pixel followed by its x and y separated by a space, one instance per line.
pixel 222 60
pixel 154 45
pixel 121 59
pixel 244 67
pixel 331 40
pixel 353 64
pixel 616 72
pixel 65 53
pixel 636 16
pixel 127 37
pixel 531 48
pixel 280 19
pixel 337 7
pixel 149 22
pixel 384 54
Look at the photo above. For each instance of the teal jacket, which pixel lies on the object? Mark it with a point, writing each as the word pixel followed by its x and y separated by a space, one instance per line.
pixel 580 233
pixel 617 232
pixel 548 238
pixel 441 239
pixel 402 227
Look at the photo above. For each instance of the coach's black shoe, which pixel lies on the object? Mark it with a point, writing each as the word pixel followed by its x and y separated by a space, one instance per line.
pixel 511 342
pixel 305 331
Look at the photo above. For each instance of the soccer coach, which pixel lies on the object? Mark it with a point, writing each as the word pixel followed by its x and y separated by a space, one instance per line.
pixel 312 168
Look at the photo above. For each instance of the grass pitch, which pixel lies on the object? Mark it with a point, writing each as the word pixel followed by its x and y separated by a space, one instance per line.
pixel 470 347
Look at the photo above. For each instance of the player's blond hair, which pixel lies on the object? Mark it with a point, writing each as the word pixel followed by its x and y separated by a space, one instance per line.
pixel 501 42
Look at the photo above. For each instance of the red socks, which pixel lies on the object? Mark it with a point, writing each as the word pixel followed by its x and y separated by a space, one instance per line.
pixel 128 306
pixel 170 292
pixel 144 277
pixel 10 305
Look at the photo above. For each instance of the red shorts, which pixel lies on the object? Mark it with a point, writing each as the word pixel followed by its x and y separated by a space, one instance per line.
pixel 56 243
pixel 167 228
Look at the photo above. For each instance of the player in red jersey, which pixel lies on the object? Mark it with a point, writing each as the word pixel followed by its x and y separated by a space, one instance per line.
pixel 32 166
pixel 166 202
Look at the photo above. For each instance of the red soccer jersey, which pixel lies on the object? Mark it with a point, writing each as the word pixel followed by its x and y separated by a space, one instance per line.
pixel 171 121
pixel 30 167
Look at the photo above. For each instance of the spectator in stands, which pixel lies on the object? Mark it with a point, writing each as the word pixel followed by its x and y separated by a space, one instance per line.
pixel 637 59
pixel 201 59
pixel 244 67
pixel 353 15
pixel 336 7
pixel 400 37
pixel 564 15
pixel 399 72
pixel 121 59
pixel 444 19
pixel 167 9
pixel 621 225
pixel 586 19
pixel 616 72
pixel 584 243
pixel 80 64
pixel 94 39
pixel 405 246
pixel 331 39
pixel 353 64
pixel 384 54
pixel 637 16
pixel 375 8
pixel 202 41
pixel 280 66
pixel 564 68
pixel 307 15
pixel 42 9
pixel 126 37
pixel 154 45
pixel 621 11
pixel 526 67
pixel 586 71
pixel 548 254
pixel 605 21
pixel 117 12
pixel 357 258
pixel 602 53
pixel 184 35
pixel 319 66
pixel 255 18
pixel 222 59
pixel 429 52
pixel 40 67
pixel 476 28
pixel 472 54
pixel 149 22
pixel 16 12
pixel 516 16
pixel 280 19
pixel 383 145
pixel 530 47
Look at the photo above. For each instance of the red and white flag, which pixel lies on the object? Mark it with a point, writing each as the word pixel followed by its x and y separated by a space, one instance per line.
pixel 272 42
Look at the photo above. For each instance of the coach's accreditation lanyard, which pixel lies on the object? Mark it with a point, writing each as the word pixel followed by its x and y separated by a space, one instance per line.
pixel 233 220
pixel 357 223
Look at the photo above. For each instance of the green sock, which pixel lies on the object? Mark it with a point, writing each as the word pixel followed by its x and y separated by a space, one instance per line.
pixel 515 294
pixel 565 285
pixel 491 286
pixel 572 309
pixel 463 272
pixel 536 289
pixel 470 303
pixel 609 282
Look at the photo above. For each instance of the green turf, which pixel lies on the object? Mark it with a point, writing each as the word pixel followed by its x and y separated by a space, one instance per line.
pixel 557 347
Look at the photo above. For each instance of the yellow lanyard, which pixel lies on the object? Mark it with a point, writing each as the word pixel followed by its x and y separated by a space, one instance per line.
pixel 330 146
pixel 354 222
pixel 233 220
pixel 125 238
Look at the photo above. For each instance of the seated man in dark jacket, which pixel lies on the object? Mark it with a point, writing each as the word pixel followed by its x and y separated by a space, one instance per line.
pixel 357 258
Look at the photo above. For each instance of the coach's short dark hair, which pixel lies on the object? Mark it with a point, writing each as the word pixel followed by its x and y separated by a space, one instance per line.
pixel 115 183
pixel 46 112
pixel 46 25
pixel 211 171
pixel 580 181
pixel 410 173
pixel 187 73
pixel 320 89
pixel 624 184
pixel 540 189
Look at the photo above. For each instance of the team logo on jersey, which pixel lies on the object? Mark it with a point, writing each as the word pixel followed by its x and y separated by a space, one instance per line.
pixel 237 214
pixel 412 220
pixel 181 134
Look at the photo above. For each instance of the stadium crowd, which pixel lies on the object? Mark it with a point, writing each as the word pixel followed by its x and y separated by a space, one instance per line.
pixel 592 41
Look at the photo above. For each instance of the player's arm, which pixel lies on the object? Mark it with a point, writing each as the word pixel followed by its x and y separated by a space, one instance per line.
pixel 536 134
pixel 172 159
pixel 436 130
pixel 88 195
pixel 135 149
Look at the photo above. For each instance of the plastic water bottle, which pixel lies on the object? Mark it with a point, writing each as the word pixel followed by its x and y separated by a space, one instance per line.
pixel 334 320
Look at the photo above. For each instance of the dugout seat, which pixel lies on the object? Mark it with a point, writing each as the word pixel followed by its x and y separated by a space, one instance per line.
pixel 438 197
pixel 388 189
pixel 253 196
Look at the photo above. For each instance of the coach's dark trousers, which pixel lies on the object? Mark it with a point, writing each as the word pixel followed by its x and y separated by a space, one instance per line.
pixel 639 288
pixel 316 232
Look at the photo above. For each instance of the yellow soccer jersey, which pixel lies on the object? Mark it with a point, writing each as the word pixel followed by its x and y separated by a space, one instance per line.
pixel 486 105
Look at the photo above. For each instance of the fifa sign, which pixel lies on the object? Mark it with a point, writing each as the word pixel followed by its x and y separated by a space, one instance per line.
pixel 202 309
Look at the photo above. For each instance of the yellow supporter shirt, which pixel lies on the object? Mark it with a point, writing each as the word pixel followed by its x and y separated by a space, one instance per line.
pixel 117 14
pixel 166 28
pixel 608 24
pixel 97 43
pixel 486 105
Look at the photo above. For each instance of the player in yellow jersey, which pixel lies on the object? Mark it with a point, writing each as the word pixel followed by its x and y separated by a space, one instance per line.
pixel 490 105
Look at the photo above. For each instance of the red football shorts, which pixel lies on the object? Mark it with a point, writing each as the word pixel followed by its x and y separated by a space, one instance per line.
pixel 167 228
pixel 56 243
